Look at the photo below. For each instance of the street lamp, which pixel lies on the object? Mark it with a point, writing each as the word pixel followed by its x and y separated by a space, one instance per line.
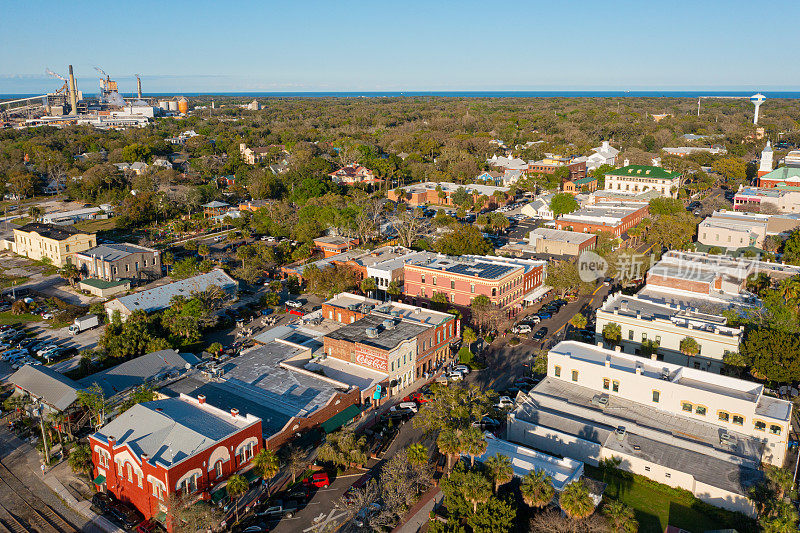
pixel 40 409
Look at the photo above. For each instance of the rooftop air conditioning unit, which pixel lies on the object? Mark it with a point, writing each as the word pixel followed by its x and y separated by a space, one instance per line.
pixel 726 438
pixel 371 332
pixel 388 324
pixel 620 433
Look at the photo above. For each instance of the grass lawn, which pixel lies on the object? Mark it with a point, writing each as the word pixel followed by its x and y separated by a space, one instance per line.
pixel 657 506
pixel 94 226
pixel 7 317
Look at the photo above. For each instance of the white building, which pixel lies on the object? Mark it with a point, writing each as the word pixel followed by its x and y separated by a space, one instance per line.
pixel 603 155
pixel 732 231
pixel 683 427
pixel 641 178
pixel 539 208
pixel 641 319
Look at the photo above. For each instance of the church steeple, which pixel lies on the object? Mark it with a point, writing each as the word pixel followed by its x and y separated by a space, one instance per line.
pixel 766 161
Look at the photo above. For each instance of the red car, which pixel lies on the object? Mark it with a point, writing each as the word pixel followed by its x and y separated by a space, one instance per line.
pixel 416 397
pixel 320 480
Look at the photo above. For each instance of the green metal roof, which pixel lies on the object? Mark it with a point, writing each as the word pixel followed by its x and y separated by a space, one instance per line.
pixel 340 419
pixel 100 479
pixel 219 495
pixel 644 171
pixel 584 181
pixel 102 284
pixel 782 173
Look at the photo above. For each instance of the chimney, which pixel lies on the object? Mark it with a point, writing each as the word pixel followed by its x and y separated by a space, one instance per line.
pixel 111 441
pixel 234 413
pixel 608 362
pixel 605 145
pixel 144 458
pixel 201 399
pixel 73 94
pixel 638 370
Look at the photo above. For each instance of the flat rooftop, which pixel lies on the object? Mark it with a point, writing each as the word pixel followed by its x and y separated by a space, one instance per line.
pixel 386 339
pixel 690 377
pixel 466 267
pixel 562 472
pixel 571 237
pixel 662 438
pixel 450 187
pixel 257 383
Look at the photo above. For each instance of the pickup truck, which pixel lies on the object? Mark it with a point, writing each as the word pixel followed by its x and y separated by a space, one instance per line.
pixel 278 509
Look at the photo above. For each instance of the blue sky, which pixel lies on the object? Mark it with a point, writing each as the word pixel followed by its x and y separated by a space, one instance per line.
pixel 298 45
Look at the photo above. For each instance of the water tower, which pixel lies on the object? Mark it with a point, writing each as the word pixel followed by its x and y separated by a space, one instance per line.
pixel 757 99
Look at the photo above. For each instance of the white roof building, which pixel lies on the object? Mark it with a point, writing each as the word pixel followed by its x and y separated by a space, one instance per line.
pixel 603 155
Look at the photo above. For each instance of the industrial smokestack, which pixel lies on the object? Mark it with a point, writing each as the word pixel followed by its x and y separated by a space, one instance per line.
pixel 73 94
pixel 139 87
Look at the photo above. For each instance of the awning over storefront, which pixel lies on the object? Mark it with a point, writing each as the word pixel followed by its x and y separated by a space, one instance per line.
pixel 340 419
pixel 99 480
pixel 251 475
pixel 537 293
pixel 161 517
pixel 219 495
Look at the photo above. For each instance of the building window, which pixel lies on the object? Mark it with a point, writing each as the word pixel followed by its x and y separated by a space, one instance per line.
pixel 615 386
pixel 686 406
pixel 723 416
pixel 452 284
pixel 575 375
pixel 494 291
pixel 130 473
pixel 700 410
pixel 66 247
pixel 472 288
pixel 606 383
pixel 647 469
pixel 422 278
pixel 656 396
pixel 630 334
pixel 760 426
pixel 218 469
pixel 738 420
pixel 775 429
pixel 557 371
pixel 126 268
pixel 434 280
pixel 658 339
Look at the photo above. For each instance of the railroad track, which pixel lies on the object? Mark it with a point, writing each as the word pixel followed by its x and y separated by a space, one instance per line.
pixel 43 519
pixel 9 522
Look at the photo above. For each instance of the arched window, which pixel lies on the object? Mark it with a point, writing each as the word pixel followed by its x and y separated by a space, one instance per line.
pixel 218 469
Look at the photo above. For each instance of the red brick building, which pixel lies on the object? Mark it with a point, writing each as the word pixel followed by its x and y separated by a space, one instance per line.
pixel 505 281
pixel 334 245
pixel 162 447
pixel 354 174
pixel 616 219
pixel 441 193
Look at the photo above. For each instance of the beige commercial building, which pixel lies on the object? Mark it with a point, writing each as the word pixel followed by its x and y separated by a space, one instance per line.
pixel 642 178
pixel 641 320
pixel 698 431
pixel 116 261
pixel 561 242
pixel 59 244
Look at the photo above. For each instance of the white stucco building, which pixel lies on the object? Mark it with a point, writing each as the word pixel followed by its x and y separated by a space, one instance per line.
pixel 683 427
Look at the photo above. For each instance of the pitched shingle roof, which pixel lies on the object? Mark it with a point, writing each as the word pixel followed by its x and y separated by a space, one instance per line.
pixel 42 382
pixel 137 371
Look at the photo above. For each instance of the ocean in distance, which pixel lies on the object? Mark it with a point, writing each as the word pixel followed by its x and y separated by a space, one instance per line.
pixel 464 94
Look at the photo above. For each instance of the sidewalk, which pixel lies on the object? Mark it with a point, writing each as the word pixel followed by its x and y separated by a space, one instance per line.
pixel 97 523
pixel 419 515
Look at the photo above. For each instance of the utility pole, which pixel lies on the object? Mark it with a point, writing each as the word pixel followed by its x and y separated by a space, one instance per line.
pixel 44 436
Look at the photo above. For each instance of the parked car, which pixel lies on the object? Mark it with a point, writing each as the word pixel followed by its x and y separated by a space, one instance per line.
pixel 127 514
pixel 150 526
pixel 101 502
pixel 365 513
pixel 278 509
pixel 454 376
pixel 418 397
pixel 294 304
pixel 464 369
pixel 544 315
pixel 521 329
pixel 533 319
pixel 487 423
pixel 410 406
pixel 539 335
pixel 504 403
pixel 320 480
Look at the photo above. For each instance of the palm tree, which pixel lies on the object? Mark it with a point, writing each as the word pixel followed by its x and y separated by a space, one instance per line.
pixel 80 460
pixel 476 489
pixel 168 259
pixel 621 517
pixel 473 443
pixel 468 336
pixel 612 333
pixel 393 289
pixel 204 251
pixel 575 501
pixel 55 418
pixel 578 321
pixel 500 470
pixel 780 479
pixel 70 273
pixel 417 454
pixel 236 487
pixel 689 347
pixel 368 286
pixel 537 489
pixel 448 444
pixel 267 465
